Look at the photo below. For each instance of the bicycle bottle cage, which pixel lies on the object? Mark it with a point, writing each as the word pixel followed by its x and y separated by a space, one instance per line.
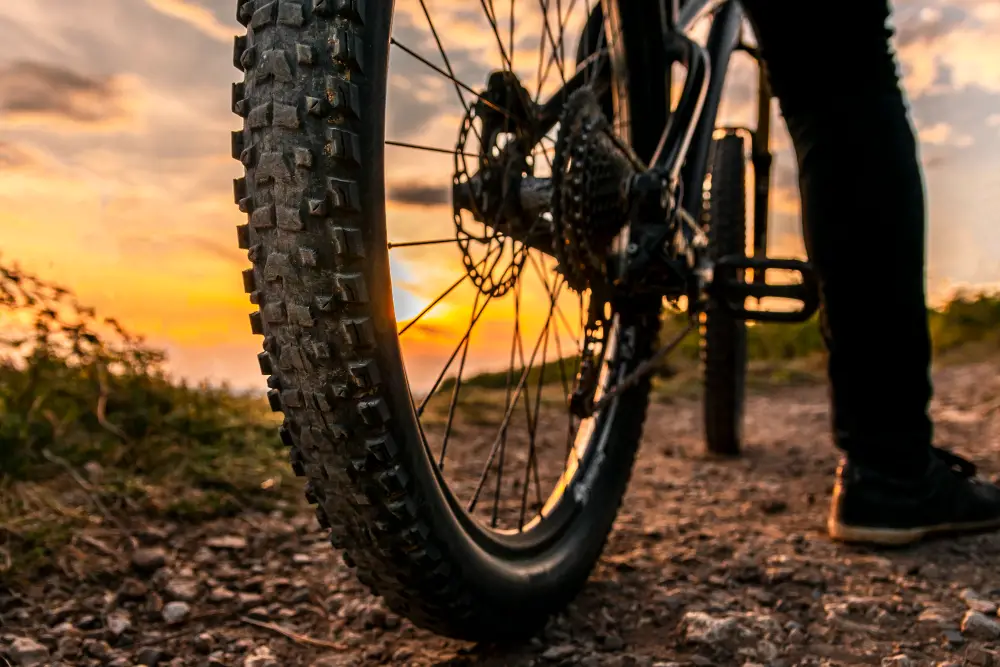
pixel 731 292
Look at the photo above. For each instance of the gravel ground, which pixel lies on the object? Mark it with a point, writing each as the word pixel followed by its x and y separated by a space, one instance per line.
pixel 711 563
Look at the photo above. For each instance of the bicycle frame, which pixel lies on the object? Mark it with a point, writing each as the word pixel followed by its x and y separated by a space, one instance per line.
pixel 679 152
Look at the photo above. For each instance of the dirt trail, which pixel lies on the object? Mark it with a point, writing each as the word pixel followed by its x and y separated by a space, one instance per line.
pixel 712 563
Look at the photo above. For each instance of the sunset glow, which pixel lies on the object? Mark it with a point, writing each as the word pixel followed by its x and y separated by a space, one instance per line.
pixel 115 174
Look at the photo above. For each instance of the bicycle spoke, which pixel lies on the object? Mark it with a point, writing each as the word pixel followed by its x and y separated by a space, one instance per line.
pixel 458 388
pixel 410 244
pixel 432 149
pixel 515 337
pixel 510 409
pixel 559 311
pixel 532 431
pixel 496 33
pixel 511 35
pixel 440 377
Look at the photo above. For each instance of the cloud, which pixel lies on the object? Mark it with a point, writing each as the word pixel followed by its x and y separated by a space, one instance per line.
pixel 196 16
pixel 419 194
pixel 38 92
pixel 14 157
pixel 943 134
pixel 929 24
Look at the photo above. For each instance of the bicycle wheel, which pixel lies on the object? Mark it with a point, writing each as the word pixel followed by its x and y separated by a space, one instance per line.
pixel 724 337
pixel 376 438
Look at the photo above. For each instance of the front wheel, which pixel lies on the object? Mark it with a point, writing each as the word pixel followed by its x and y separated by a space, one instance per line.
pixel 406 476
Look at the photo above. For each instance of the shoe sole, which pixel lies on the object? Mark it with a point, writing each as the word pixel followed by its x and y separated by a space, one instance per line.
pixel 900 536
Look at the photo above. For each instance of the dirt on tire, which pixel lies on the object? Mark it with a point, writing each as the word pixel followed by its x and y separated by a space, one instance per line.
pixel 712 562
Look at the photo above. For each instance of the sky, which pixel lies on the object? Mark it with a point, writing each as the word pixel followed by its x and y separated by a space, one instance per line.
pixel 116 175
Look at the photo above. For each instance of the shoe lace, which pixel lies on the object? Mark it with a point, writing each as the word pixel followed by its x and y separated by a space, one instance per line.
pixel 960 465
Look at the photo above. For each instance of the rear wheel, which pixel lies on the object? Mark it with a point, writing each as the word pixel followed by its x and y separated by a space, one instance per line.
pixel 724 337
pixel 407 480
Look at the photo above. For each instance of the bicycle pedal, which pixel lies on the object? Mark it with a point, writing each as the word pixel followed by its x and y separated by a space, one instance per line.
pixel 731 290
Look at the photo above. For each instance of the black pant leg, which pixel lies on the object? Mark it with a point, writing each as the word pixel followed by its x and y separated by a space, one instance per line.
pixel 835 76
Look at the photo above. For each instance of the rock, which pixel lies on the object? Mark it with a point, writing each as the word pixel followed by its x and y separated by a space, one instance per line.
pixel 970 594
pixel 25 651
pixel 120 661
pixel 250 600
pixel 149 656
pixel 766 651
pixel 935 616
pixel 981 657
pixel 954 637
pixel 221 594
pixel 227 542
pixel 260 657
pixel 204 643
pixel 982 606
pixel 259 614
pixel 97 649
pixel 176 612
pixel 556 653
pixel 88 622
pixel 613 643
pixel 150 559
pixel 185 590
pixel 901 660
pixel 979 626
pixel 119 622
pixel 402 655
pixel 69 646
pixel 702 628
pixel 132 590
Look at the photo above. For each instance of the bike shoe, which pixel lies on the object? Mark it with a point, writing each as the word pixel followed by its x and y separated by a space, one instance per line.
pixel 872 507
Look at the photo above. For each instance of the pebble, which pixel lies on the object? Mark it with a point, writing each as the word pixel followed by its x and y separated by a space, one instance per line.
pixel 185 590
pixel 26 652
pixel 176 612
pixel 97 649
pixel 901 660
pixel 982 606
pixel 613 643
pixel 119 622
pixel 260 657
pixel 132 590
pixel 149 656
pixel 149 559
pixel 204 643
pixel 227 542
pixel 221 594
pixel 702 628
pixel 979 626
pixel 555 653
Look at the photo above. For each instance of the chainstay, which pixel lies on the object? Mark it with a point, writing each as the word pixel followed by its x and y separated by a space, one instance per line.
pixel 642 370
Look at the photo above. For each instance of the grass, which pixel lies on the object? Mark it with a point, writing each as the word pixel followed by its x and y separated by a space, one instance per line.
pixel 88 414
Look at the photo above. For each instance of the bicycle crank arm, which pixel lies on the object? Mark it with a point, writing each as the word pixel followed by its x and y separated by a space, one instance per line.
pixel 731 291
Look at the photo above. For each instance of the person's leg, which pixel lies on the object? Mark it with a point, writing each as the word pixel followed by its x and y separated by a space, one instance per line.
pixel 835 76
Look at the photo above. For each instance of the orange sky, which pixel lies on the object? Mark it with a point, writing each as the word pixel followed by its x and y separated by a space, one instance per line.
pixel 115 175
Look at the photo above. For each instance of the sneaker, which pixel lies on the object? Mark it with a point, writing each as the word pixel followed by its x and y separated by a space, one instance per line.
pixel 874 508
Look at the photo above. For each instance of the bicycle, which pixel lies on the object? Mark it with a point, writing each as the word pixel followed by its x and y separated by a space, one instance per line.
pixel 642 202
